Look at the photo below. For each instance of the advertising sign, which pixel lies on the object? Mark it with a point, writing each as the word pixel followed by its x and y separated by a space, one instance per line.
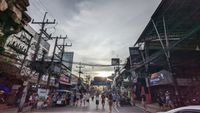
pixel 68 59
pixel 135 56
pixel 104 83
pixel 64 79
pixel 161 78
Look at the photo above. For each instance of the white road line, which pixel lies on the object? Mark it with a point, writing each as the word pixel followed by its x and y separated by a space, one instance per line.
pixel 116 109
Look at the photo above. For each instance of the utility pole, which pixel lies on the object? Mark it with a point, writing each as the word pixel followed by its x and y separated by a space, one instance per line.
pixel 80 72
pixel 61 48
pixel 42 31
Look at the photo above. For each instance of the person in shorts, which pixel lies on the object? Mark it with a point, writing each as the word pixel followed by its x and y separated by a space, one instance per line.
pixel 77 98
pixel 114 99
pixel 87 98
pixel 97 101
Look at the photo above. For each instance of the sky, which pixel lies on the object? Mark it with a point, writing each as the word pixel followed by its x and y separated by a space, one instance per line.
pixel 98 29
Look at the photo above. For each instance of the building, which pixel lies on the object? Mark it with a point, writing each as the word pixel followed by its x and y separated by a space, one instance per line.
pixel 19 49
pixel 170 52
pixel 13 18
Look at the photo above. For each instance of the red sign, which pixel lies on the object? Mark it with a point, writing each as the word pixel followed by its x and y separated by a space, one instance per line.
pixel 64 80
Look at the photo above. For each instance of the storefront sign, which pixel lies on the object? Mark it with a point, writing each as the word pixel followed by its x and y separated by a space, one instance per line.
pixel 105 83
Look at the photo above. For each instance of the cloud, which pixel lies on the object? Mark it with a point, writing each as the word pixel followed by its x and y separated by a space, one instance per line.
pixel 99 29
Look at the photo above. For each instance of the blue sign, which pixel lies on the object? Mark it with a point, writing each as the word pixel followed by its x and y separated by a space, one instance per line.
pixel 104 83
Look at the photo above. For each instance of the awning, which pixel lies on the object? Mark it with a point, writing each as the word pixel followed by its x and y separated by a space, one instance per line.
pixel 162 77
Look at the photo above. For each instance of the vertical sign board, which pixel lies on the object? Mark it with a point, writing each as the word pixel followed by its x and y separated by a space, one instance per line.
pixel 115 61
pixel 68 57
pixel 135 56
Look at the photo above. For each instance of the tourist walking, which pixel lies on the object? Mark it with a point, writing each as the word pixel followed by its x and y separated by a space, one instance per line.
pixel 92 97
pixel 114 99
pixel 144 101
pixel 87 99
pixel 77 98
pixel 118 100
pixel 110 102
pixel 103 97
pixel 84 99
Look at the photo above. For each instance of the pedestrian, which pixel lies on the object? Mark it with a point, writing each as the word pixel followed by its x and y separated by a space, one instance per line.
pixel 49 101
pixel 84 99
pixel 31 101
pixel 77 98
pixel 110 102
pixel 92 97
pixel 118 99
pixel 54 99
pixel 114 99
pixel 81 99
pixel 103 97
pixel 167 99
pixel 133 98
pixel 144 101
pixel 97 101
pixel 160 102
pixel 87 98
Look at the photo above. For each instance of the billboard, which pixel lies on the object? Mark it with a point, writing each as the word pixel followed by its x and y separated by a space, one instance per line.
pixel 135 55
pixel 68 59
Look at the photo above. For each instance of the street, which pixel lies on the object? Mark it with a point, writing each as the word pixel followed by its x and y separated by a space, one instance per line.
pixel 90 109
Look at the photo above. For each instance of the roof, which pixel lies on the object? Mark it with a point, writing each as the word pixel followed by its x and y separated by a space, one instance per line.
pixel 180 16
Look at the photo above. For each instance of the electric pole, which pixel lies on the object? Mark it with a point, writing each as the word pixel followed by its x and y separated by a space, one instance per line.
pixel 80 72
pixel 42 31
pixel 61 48
pixel 37 48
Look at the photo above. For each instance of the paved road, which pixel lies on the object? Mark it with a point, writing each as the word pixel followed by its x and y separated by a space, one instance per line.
pixel 90 109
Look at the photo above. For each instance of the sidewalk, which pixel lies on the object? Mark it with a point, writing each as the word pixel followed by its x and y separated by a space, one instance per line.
pixel 9 110
pixel 14 110
pixel 152 108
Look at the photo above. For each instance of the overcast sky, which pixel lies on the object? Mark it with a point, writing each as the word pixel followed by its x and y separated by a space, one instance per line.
pixel 98 29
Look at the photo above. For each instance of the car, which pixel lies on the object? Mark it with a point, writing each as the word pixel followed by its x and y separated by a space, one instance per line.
pixel 186 109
